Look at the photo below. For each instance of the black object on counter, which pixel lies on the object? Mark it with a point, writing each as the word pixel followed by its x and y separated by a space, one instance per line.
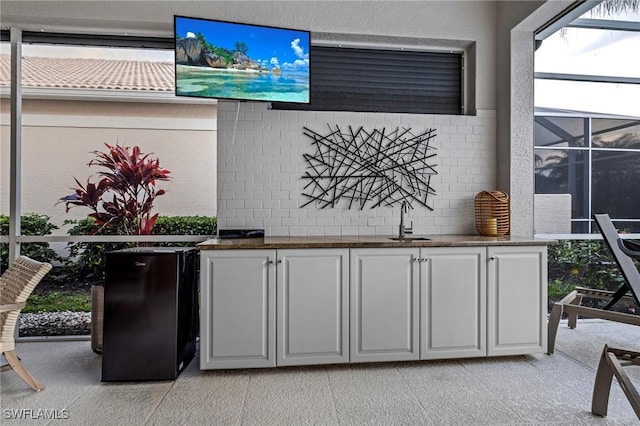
pixel 150 313
pixel 240 233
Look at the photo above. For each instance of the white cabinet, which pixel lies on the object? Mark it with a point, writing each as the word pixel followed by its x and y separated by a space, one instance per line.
pixel 517 300
pixel 251 296
pixel 313 306
pixel 384 304
pixel 453 302
pixel 267 308
pixel 237 319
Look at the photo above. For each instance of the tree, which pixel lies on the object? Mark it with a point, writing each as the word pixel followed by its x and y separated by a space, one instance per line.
pixel 241 46
pixel 608 8
pixel 201 39
pixel 123 198
pixel 611 7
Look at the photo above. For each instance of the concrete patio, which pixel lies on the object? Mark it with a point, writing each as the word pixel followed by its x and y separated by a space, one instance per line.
pixel 540 389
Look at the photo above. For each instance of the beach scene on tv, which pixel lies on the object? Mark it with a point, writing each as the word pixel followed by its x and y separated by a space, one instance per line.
pixel 236 61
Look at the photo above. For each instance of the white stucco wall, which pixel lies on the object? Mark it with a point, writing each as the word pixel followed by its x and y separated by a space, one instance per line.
pixel 60 136
pixel 552 214
pixel 521 108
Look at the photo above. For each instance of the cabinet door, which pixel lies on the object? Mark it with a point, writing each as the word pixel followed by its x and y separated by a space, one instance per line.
pixel 453 302
pixel 238 309
pixel 384 304
pixel 517 305
pixel 313 303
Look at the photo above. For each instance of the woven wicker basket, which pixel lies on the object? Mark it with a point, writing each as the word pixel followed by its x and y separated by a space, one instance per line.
pixel 492 213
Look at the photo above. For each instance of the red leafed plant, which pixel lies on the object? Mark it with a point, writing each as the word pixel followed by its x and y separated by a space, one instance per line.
pixel 122 199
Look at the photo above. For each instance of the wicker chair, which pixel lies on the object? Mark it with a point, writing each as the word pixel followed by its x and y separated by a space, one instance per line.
pixel 16 284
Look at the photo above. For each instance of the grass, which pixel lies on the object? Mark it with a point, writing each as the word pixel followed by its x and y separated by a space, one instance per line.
pixel 56 301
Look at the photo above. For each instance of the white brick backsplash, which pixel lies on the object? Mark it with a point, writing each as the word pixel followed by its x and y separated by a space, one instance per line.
pixel 290 221
pixel 272 222
pixel 297 231
pixel 282 213
pixel 359 221
pixel 234 222
pixel 233 204
pixel 324 221
pixel 244 213
pixel 281 230
pixel 349 230
pixel 233 187
pixel 369 230
pixel 310 222
pixel 271 168
pixel 261 213
pixel 260 184
pixel 253 204
pixel 289 204
pixel 299 213
pixel 342 221
pixel 280 195
pixel 314 212
pixel 271 185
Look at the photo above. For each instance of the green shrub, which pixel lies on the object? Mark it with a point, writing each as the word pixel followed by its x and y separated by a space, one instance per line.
pixel 184 225
pixel 558 289
pixel 585 263
pixel 86 260
pixel 30 224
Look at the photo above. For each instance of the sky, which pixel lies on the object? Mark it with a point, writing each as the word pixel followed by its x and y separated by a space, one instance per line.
pixel 269 46
pixel 590 52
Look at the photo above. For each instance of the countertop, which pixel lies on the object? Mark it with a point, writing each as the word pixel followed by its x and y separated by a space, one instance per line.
pixel 377 241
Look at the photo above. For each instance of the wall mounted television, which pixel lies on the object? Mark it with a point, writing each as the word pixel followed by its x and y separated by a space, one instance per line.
pixel 227 60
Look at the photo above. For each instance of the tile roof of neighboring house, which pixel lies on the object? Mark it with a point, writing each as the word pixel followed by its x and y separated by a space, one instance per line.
pixel 76 73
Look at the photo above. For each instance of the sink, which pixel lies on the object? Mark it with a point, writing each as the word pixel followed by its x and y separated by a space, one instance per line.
pixel 410 239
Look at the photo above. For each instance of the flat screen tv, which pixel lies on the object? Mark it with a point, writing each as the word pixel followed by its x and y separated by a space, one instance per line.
pixel 227 60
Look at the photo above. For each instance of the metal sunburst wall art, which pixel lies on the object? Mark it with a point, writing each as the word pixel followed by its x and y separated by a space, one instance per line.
pixel 377 167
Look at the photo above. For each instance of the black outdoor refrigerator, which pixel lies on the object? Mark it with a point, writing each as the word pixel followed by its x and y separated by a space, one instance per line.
pixel 150 313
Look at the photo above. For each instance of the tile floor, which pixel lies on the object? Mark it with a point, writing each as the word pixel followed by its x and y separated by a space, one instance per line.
pixel 537 389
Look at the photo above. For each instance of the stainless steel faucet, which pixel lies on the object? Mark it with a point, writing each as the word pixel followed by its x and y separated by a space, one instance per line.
pixel 404 208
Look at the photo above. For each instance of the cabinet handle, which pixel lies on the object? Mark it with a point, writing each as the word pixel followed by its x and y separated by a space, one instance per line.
pixel 417 259
pixel 492 258
pixel 270 262
pixel 278 261
pixel 426 259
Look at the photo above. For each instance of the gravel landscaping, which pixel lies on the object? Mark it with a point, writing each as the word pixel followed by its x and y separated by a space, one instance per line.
pixel 65 323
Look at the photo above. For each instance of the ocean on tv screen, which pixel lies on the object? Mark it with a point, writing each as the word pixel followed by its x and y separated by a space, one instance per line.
pixel 232 84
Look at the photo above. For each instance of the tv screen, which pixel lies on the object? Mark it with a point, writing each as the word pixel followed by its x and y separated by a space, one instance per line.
pixel 226 60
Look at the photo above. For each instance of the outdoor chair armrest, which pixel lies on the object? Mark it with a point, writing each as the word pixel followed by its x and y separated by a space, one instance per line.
pixel 12 307
pixel 629 248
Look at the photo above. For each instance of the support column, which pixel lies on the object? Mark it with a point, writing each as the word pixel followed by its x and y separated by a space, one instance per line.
pixel 16 144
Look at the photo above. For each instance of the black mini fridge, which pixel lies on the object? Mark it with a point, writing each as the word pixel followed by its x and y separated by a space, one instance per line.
pixel 150 313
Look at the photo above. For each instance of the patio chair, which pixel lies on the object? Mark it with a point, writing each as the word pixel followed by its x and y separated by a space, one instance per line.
pixel 629 248
pixel 629 290
pixel 613 360
pixel 16 284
